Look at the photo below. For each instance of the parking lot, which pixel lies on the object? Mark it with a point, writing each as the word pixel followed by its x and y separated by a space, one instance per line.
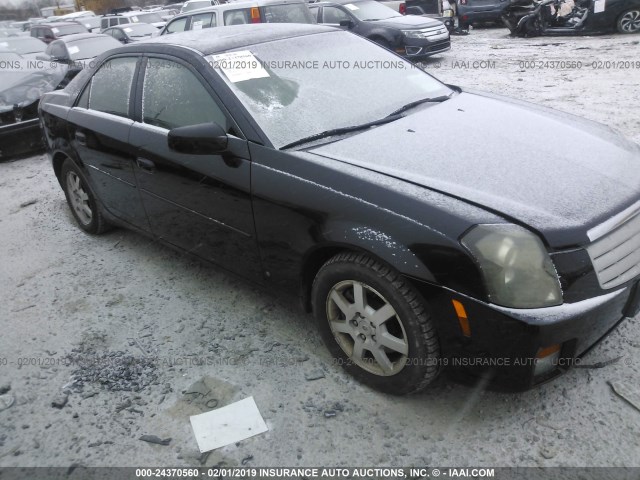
pixel 91 307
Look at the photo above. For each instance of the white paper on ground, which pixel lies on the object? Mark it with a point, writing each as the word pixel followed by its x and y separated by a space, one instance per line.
pixel 227 425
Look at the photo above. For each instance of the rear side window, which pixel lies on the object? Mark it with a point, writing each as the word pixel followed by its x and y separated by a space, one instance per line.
pixel 203 20
pixel 177 25
pixel 237 17
pixel 111 86
pixel 287 13
pixel 174 97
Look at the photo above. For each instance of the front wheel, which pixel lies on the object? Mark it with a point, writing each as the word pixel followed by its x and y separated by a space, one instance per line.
pixel 629 21
pixel 81 199
pixel 375 324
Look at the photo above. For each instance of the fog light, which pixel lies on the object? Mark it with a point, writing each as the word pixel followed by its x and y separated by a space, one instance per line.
pixel 547 360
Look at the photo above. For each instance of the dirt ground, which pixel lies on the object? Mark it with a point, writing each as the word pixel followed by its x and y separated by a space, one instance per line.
pixel 140 337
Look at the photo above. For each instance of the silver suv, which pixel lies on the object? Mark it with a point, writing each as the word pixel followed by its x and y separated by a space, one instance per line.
pixel 153 18
pixel 238 13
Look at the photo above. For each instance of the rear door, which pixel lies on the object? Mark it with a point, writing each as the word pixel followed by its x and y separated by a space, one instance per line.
pixel 99 130
pixel 200 203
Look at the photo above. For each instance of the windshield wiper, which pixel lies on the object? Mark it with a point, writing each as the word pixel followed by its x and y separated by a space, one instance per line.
pixel 409 106
pixel 342 130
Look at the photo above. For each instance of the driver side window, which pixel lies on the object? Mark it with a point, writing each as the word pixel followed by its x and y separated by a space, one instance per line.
pixel 174 97
pixel 334 15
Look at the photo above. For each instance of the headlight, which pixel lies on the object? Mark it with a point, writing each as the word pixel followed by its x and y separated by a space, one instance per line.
pixel 413 33
pixel 516 267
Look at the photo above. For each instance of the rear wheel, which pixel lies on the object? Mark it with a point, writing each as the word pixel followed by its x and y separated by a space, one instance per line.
pixel 81 199
pixel 375 324
pixel 629 21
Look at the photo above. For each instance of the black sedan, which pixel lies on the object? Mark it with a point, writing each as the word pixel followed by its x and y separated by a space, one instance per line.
pixel 531 18
pixel 250 148
pixel 411 36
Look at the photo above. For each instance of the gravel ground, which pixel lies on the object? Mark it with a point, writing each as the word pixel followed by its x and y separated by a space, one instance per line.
pixel 106 339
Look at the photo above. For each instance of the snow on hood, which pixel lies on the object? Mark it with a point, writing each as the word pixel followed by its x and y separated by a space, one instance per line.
pixel 557 173
pixel 22 83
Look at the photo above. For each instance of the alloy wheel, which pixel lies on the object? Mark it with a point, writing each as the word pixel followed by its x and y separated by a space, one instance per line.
pixel 367 328
pixel 630 21
pixel 79 198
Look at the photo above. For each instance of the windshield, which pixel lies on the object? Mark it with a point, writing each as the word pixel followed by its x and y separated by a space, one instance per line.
pixel 371 10
pixel 294 89
pixel 22 45
pixel 147 17
pixel 91 47
pixel 140 30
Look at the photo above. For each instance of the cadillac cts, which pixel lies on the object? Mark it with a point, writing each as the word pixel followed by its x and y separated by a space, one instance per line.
pixel 248 147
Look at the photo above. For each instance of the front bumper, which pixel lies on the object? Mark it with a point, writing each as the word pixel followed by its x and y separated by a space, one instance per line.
pixel 414 48
pixel 500 346
pixel 20 138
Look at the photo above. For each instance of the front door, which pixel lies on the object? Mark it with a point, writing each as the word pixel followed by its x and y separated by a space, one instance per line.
pixel 200 203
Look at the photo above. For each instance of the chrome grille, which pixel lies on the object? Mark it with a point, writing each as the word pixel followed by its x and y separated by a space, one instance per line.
pixel 616 255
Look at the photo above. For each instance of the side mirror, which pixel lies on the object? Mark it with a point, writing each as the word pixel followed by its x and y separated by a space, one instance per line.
pixel 346 23
pixel 201 139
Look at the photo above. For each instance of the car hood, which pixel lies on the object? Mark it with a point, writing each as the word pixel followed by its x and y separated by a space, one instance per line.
pixel 23 84
pixel 554 172
pixel 408 22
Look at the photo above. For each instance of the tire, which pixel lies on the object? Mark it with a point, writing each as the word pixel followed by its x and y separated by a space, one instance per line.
pixel 81 199
pixel 629 21
pixel 383 336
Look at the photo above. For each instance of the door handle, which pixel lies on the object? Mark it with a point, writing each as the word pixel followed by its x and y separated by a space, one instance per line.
pixel 145 164
pixel 81 138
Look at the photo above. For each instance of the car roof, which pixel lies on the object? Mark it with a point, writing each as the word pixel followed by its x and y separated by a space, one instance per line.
pixel 236 5
pixel 81 36
pixel 214 40
pixel 57 24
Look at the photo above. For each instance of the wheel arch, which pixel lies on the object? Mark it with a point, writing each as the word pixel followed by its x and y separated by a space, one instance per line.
pixel 315 258
pixel 57 159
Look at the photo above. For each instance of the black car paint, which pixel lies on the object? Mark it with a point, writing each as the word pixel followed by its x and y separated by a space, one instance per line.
pixel 290 211
pixel 388 32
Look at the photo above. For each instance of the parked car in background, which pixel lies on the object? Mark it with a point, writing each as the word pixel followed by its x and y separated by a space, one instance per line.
pixel 531 18
pixel 238 13
pixel 26 47
pixel 93 24
pixel 77 15
pixel 132 32
pixel 152 18
pixel 168 13
pixel 438 9
pixel 191 5
pixel 481 11
pixel 408 35
pixel 343 194
pixel 48 32
pixel 22 83
pixel 78 50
